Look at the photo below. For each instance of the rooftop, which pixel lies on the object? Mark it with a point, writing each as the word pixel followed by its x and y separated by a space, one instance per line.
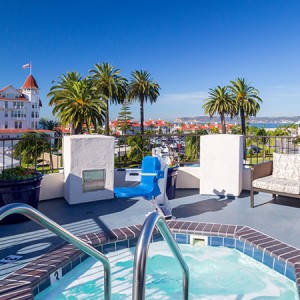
pixel 277 218
pixel 269 225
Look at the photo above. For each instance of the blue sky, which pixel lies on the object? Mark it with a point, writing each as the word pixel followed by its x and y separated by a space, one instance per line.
pixel 187 46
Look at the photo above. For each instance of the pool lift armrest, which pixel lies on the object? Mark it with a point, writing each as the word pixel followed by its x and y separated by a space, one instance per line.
pixel 133 174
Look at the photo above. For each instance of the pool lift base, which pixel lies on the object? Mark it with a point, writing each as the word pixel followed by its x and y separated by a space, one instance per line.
pixel 161 202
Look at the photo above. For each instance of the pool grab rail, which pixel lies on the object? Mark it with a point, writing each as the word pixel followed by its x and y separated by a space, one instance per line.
pixel 41 219
pixel 141 254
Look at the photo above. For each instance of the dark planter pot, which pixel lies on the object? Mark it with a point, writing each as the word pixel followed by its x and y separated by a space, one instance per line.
pixel 23 191
pixel 171 182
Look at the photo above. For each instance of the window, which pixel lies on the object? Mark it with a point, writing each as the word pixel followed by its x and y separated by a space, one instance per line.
pixel 32 105
pixel 16 125
pixel 32 125
pixel 6 114
pixel 6 125
pixel 14 104
pixel 6 104
pixel 12 114
pixel 9 95
pixel 36 114
pixel 19 114
pixel 36 125
pixel 20 125
pixel 32 114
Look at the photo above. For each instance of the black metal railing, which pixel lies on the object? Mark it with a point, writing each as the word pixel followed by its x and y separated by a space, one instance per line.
pixel 185 148
pixel 259 149
pixel 45 154
pixel 130 149
pixel 42 154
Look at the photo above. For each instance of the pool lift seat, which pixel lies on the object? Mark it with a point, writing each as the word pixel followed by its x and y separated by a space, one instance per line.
pixel 149 187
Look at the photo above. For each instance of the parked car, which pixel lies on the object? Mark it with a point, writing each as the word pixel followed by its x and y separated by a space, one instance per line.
pixel 255 149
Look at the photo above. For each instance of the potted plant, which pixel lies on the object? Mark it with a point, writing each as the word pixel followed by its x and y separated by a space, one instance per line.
pixel 19 185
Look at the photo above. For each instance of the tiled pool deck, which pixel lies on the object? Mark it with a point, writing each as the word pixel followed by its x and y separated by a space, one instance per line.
pixel 195 215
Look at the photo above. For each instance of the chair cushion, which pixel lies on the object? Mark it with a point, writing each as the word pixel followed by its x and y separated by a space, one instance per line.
pixel 278 185
pixel 286 166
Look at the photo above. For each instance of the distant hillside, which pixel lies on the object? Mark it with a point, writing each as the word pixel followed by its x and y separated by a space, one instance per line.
pixel 206 119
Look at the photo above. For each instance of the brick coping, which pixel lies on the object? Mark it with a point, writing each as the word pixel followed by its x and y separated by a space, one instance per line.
pixel 31 279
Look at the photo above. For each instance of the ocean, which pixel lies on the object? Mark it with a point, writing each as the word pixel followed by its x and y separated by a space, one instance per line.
pixel 258 125
pixel 268 125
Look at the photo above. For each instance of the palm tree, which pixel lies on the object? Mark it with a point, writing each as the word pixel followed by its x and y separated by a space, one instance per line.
pixel 142 88
pixel 48 124
pixel 65 82
pixel 78 103
pixel 138 147
pixel 219 101
pixel 110 84
pixel 247 100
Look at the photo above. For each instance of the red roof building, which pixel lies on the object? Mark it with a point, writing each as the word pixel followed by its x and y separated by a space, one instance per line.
pixel 20 108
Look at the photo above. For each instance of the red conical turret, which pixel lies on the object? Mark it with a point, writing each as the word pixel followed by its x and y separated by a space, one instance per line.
pixel 30 83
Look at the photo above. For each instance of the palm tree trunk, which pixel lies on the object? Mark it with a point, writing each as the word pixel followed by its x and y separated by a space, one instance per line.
pixel 107 118
pixel 142 114
pixel 78 129
pixel 72 131
pixel 242 114
pixel 223 123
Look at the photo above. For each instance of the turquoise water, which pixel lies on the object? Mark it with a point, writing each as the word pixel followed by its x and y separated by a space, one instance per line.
pixel 216 273
pixel 191 165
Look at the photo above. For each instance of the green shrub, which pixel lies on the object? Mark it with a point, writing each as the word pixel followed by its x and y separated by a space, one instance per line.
pixel 17 173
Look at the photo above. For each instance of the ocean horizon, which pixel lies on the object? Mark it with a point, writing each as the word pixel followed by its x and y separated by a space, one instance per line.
pixel 268 125
pixel 258 125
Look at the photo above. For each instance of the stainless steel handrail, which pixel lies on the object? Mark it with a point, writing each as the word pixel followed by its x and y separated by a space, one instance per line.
pixel 38 217
pixel 141 254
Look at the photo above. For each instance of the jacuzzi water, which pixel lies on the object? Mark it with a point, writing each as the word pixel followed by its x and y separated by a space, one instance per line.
pixel 215 272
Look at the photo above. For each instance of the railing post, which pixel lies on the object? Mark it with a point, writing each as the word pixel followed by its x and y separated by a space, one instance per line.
pixel 141 254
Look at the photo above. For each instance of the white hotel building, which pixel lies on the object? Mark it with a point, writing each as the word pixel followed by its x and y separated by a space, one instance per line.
pixel 20 108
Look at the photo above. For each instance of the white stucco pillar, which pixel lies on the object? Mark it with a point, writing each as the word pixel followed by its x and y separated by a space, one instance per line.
pixel 92 153
pixel 221 162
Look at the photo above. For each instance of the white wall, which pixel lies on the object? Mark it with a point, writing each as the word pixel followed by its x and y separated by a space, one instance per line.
pixel 52 186
pixel 87 152
pixel 188 178
pixel 221 160
pixel 246 179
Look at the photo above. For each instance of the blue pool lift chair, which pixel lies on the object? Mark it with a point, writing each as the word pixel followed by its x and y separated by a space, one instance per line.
pixel 148 188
